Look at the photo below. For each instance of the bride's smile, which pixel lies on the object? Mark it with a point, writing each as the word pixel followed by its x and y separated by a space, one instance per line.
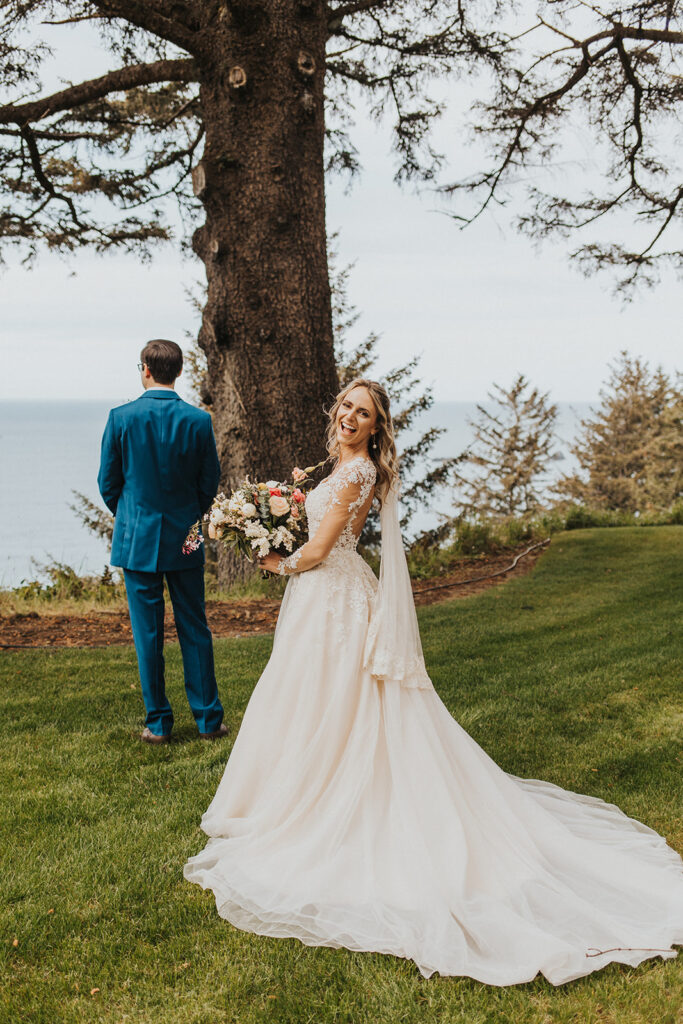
pixel 356 421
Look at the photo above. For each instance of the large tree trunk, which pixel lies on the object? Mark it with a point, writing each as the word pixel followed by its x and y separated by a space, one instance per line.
pixel 267 325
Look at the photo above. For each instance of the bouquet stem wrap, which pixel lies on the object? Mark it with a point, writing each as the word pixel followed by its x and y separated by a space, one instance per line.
pixel 393 650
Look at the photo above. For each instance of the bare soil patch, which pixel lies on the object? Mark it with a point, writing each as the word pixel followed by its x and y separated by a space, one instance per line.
pixel 243 618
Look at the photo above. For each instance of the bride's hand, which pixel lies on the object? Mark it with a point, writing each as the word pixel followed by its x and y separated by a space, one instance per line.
pixel 270 562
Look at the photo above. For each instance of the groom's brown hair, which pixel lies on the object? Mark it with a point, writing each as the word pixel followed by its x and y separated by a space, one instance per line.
pixel 164 359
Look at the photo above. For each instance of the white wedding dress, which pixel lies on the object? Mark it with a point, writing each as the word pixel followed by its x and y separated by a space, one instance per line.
pixel 356 812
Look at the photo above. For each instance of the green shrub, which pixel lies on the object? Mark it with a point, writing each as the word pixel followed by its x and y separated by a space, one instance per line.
pixel 439 550
pixel 676 514
pixel 63 583
pixel 476 537
pixel 581 517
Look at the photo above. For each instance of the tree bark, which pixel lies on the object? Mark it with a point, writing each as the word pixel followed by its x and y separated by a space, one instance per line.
pixel 261 181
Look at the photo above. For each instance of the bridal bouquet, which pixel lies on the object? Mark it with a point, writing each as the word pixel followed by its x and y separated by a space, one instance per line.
pixel 257 518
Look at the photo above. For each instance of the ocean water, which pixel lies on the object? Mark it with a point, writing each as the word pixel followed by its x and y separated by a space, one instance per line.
pixel 47 450
pixel 50 449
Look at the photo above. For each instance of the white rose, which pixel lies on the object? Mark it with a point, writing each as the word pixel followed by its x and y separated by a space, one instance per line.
pixel 249 510
pixel 217 516
pixel 272 483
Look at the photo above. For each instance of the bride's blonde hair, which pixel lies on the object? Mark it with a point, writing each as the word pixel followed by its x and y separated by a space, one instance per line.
pixel 382 448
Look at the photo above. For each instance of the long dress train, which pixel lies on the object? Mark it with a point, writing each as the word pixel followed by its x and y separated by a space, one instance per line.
pixel 358 813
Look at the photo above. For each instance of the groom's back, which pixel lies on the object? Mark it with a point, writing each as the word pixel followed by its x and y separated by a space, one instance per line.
pixel 162 439
pixel 164 453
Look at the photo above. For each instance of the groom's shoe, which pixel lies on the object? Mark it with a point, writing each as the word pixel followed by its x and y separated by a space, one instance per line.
pixel 222 730
pixel 151 737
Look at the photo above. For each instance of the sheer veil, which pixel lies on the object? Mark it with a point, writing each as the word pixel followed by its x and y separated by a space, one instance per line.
pixel 393 651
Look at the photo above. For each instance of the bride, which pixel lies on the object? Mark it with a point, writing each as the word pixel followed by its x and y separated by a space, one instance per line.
pixel 354 811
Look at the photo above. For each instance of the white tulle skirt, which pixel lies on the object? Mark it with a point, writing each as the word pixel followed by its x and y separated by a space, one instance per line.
pixel 361 815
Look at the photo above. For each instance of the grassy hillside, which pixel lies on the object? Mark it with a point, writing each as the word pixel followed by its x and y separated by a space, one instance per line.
pixel 572 674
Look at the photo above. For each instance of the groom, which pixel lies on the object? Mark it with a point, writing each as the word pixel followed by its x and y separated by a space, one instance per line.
pixel 158 474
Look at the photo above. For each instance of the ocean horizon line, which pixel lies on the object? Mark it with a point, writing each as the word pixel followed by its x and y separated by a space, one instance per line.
pixel 113 401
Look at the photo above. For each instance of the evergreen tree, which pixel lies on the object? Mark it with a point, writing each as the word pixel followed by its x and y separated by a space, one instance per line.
pixel 630 450
pixel 508 459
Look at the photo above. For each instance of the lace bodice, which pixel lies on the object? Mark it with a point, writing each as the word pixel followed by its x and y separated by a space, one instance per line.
pixel 343 580
pixel 330 491
pixel 337 499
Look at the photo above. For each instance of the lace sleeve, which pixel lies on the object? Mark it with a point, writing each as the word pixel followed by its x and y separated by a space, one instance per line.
pixel 351 485
pixel 289 564
pixel 349 490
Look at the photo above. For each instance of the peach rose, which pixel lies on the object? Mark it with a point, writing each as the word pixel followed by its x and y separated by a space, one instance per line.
pixel 279 506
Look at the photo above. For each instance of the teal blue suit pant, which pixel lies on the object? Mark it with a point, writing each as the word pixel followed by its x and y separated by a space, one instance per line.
pixel 146 603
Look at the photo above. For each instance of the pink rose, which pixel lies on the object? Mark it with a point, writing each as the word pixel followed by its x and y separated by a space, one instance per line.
pixel 298 475
pixel 298 495
pixel 279 506
pixel 294 512
pixel 275 491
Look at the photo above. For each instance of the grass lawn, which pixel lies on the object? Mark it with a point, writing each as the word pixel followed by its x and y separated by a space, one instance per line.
pixel 571 674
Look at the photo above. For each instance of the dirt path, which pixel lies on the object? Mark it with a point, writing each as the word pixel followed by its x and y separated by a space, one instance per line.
pixel 243 618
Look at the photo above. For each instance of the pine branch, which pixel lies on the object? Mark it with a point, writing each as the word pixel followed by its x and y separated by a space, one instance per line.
pixel 42 178
pixel 516 148
pixel 75 20
pixel 149 16
pixel 98 520
pixel 337 14
pixel 120 80
pixel 624 77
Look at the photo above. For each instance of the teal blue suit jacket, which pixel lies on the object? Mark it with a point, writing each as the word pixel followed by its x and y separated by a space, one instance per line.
pixel 159 473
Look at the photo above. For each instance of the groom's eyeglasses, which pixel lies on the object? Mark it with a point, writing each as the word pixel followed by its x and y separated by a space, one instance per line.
pixel 141 367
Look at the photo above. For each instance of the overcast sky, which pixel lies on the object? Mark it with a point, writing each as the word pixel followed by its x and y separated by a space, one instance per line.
pixel 479 305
